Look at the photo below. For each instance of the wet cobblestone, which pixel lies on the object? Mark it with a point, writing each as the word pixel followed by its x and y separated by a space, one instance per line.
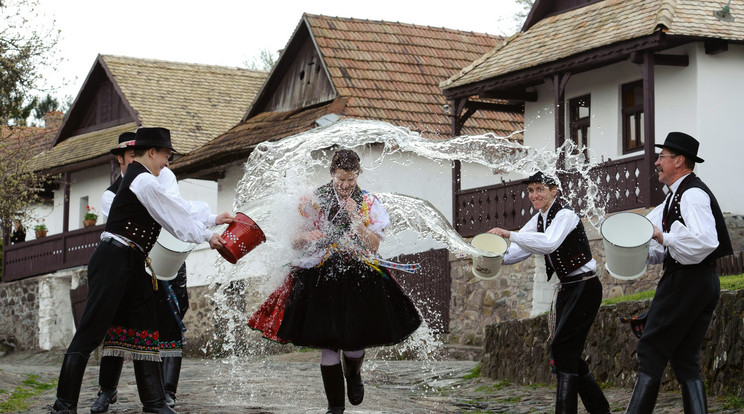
pixel 291 384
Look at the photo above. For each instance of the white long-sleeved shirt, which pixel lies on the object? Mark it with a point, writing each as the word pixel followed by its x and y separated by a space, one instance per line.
pixel 186 220
pixel 696 239
pixel 529 241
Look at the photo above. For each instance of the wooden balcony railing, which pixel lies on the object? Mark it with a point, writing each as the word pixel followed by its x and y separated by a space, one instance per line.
pixel 50 253
pixel 621 187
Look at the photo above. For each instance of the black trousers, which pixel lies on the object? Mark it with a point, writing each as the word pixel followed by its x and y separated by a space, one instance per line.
pixel 115 272
pixel 576 307
pixel 678 318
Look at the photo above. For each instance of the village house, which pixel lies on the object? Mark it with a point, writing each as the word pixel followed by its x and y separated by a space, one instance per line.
pixel 336 69
pixel 613 77
pixel 196 102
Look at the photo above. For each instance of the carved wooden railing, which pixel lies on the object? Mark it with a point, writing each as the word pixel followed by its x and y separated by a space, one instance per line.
pixel 621 186
pixel 50 253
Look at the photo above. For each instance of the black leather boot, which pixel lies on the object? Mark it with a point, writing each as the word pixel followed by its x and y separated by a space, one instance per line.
pixel 70 381
pixel 150 387
pixel 171 367
pixel 108 379
pixel 592 396
pixel 693 397
pixel 333 383
pixel 353 374
pixel 644 395
pixel 566 397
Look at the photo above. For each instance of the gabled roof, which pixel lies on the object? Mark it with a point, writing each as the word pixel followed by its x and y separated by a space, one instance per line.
pixel 597 25
pixel 379 71
pixel 196 102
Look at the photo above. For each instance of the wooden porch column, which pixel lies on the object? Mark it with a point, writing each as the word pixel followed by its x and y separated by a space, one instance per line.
pixel 558 84
pixel 66 206
pixel 649 127
pixel 457 106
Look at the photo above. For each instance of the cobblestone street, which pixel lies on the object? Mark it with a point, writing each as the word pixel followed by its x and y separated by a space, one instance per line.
pixel 290 383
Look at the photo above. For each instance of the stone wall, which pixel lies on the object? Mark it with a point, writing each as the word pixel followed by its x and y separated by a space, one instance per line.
pixel 519 350
pixel 35 313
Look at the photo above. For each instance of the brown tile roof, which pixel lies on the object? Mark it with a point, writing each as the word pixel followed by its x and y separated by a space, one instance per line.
pixel 81 147
pixel 600 24
pixel 391 72
pixel 237 143
pixel 196 102
pixel 382 71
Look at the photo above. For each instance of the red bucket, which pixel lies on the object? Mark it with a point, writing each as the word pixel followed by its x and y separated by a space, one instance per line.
pixel 242 236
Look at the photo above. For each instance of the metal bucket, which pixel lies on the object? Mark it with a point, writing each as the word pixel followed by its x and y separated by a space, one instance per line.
pixel 486 266
pixel 626 237
pixel 168 255
pixel 242 235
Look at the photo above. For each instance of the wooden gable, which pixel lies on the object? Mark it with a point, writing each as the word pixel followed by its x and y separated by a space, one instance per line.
pixel 99 105
pixel 299 80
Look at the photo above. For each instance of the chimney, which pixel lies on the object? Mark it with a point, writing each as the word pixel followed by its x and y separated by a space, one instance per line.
pixel 53 119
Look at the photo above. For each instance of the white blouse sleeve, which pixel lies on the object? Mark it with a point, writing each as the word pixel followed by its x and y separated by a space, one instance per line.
pixel 168 210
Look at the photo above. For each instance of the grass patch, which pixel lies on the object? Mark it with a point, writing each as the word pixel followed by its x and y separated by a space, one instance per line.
pixel 494 387
pixel 511 400
pixel 733 282
pixel 733 402
pixel 474 373
pixel 537 385
pixel 31 387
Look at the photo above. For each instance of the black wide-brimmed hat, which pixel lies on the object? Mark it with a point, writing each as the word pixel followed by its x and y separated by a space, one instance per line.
pixel 153 138
pixel 539 177
pixel 126 140
pixel 683 144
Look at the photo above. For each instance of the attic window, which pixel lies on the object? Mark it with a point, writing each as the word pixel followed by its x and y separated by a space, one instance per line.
pixel 632 114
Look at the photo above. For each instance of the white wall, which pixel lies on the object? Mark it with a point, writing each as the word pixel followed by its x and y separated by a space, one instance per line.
pixel 701 99
pixel 720 128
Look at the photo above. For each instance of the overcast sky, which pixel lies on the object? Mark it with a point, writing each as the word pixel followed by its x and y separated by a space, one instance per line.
pixel 229 32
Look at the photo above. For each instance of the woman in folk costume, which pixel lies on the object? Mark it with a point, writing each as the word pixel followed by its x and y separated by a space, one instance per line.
pixel 339 297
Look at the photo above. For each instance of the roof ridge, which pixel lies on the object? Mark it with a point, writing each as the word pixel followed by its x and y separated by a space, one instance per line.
pixel 131 59
pixel 387 22
pixel 665 16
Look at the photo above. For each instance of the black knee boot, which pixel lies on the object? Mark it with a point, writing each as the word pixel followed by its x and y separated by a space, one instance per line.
pixel 108 379
pixel 693 397
pixel 644 395
pixel 171 367
pixel 70 381
pixel 592 396
pixel 566 397
pixel 333 382
pixel 353 374
pixel 150 387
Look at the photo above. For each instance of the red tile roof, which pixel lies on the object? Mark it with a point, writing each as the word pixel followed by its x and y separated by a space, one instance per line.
pixel 383 71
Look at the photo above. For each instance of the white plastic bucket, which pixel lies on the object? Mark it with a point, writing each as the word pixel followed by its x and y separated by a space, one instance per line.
pixel 626 237
pixel 486 266
pixel 168 255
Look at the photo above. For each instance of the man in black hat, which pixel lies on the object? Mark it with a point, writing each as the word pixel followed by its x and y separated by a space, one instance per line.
pixel 557 233
pixel 689 235
pixel 120 291
pixel 172 296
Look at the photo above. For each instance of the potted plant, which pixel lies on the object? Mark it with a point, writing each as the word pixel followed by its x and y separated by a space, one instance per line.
pixel 90 217
pixel 40 228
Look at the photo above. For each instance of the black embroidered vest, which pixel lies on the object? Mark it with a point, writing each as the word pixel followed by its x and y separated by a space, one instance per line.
pixel 128 217
pixel 674 214
pixel 115 186
pixel 573 253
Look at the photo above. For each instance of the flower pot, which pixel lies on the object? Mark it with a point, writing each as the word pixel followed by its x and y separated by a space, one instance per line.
pixel 88 223
pixel 40 233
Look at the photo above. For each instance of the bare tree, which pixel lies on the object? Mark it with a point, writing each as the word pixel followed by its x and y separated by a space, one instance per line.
pixel 265 60
pixel 26 47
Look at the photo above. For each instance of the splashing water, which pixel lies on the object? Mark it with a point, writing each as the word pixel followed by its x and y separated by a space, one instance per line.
pixel 278 173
